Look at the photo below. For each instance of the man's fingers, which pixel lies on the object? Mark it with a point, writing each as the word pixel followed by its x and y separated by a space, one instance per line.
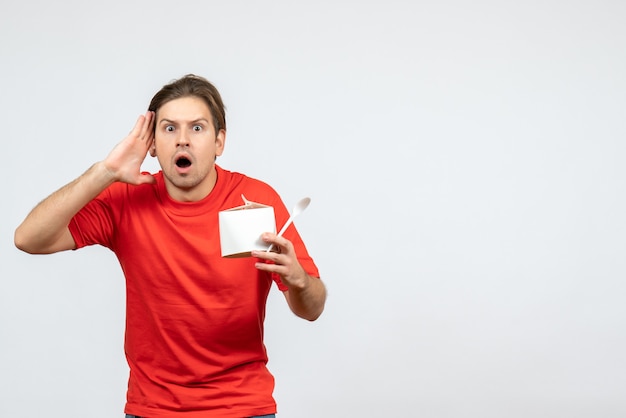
pixel 143 126
pixel 138 126
pixel 148 124
pixel 276 240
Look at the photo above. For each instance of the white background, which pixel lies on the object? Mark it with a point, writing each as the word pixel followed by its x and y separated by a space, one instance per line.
pixel 465 162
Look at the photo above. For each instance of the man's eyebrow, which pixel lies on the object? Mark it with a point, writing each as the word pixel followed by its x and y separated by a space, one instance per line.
pixel 193 121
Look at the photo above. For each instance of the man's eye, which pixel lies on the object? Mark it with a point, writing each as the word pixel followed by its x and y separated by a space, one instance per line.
pixel 169 128
pixel 197 128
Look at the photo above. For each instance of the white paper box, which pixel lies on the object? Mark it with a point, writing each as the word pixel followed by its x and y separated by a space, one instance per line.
pixel 241 228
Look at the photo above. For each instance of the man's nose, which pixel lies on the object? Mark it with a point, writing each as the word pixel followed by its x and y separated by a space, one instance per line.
pixel 183 139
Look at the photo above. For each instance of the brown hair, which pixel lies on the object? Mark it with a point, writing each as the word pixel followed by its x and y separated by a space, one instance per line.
pixel 196 86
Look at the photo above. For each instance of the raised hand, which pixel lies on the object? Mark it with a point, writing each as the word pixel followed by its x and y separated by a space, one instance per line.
pixel 124 161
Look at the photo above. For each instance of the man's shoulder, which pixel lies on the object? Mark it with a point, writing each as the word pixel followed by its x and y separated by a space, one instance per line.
pixel 254 189
pixel 237 178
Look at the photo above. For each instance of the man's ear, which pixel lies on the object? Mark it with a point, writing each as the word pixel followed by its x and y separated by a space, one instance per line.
pixel 153 149
pixel 220 142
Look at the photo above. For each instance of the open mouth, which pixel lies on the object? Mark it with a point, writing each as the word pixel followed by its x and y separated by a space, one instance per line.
pixel 183 162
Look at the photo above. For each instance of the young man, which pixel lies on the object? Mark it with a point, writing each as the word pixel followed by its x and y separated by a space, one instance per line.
pixel 194 320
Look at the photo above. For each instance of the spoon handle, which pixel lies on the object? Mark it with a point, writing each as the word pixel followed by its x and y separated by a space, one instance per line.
pixel 284 228
pixel 282 231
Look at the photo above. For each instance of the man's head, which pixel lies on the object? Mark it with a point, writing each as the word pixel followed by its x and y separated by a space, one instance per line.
pixel 189 134
pixel 193 86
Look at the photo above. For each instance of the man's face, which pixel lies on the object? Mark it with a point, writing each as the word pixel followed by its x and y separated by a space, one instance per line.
pixel 186 145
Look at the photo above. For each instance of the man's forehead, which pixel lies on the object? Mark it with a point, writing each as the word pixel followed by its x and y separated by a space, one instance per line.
pixel 184 109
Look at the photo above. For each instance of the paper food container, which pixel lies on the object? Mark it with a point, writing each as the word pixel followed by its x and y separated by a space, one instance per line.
pixel 241 228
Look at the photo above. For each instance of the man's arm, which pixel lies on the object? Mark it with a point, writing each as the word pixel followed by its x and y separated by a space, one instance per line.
pixel 45 229
pixel 307 302
pixel 306 295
